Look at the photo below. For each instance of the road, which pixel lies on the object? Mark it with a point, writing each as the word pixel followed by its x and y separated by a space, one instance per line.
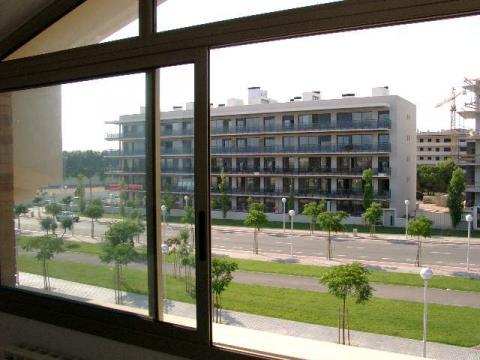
pixel 344 246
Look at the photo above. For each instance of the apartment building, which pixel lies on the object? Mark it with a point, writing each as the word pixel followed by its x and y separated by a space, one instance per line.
pixel 306 149
pixel 436 146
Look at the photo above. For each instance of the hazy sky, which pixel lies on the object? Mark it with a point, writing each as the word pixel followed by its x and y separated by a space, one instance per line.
pixel 419 62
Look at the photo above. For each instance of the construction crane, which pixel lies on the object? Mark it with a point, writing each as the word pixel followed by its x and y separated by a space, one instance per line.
pixel 453 119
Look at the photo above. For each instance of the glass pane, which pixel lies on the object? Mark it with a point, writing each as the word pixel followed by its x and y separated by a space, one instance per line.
pixel 176 194
pixel 79 206
pixel 92 22
pixel 175 14
pixel 265 230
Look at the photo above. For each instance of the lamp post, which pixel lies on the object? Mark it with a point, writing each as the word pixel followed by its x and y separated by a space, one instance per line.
pixel 426 274
pixel 469 219
pixel 164 213
pixel 292 214
pixel 284 201
pixel 186 200
pixel 165 250
pixel 407 202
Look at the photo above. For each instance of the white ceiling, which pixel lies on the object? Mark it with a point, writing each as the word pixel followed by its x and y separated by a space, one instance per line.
pixel 14 13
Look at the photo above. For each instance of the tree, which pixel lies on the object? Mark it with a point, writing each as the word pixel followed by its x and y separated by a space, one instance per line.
pixel 330 221
pixel 343 281
pixel 20 209
pixel 455 196
pixel 53 209
pixel 427 176
pixel 118 248
pixel 80 193
pixel 173 245
pixel 445 171
pixel 67 224
pixel 187 260
pixel 123 198
pixel 372 215
pixel 224 199
pixel 67 201
pixel 420 226
pixel 94 211
pixel 291 198
pixel 48 224
pixel 313 209
pixel 168 199
pixel 257 219
pixel 87 163
pixel 47 247
pixel 222 270
pixel 189 219
pixel 367 188
pixel 37 201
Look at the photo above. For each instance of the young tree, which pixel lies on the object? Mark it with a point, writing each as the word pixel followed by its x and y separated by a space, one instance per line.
pixel 67 224
pixel 372 215
pixel 257 219
pixel 189 219
pixel 48 224
pixel 53 209
pixel 47 247
pixel 168 199
pixel 80 193
pixel 118 248
pixel 223 199
pixel 222 270
pixel 67 201
pixel 37 201
pixel 291 199
pixel 313 209
pixel 94 211
pixel 456 189
pixel 173 246
pixel 420 226
pixel 367 188
pixel 20 209
pixel 187 260
pixel 345 281
pixel 330 221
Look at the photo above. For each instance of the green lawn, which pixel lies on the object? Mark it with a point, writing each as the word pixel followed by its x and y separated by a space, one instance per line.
pixel 271 267
pixel 447 324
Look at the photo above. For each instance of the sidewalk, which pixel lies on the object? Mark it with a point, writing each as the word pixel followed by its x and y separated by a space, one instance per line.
pixel 264 333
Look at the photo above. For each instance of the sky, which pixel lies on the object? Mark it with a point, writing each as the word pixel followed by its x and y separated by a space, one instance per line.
pixel 420 62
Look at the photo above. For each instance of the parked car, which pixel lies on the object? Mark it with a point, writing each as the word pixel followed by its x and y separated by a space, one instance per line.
pixel 68 214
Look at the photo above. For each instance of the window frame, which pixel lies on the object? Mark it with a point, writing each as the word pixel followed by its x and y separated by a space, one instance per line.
pixel 146 53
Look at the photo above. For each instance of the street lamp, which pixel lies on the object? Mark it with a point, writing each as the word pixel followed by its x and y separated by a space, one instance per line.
pixel 165 249
pixel 284 201
pixel 469 219
pixel 164 213
pixel 407 202
pixel 186 200
pixel 426 274
pixel 292 214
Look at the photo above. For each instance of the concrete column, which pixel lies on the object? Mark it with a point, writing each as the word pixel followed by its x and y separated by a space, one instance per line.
pixel 7 235
pixel 333 184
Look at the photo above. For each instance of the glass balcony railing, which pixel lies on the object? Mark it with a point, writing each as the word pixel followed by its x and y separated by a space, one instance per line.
pixel 124 136
pixel 354 125
pixel 125 170
pixel 176 132
pixel 124 153
pixel 299 171
pixel 384 147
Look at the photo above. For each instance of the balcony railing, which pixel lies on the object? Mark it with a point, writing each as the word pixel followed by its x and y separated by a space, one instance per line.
pixel 176 170
pixel 360 125
pixel 125 170
pixel 384 147
pixel 255 191
pixel 299 171
pixel 124 153
pixel 176 132
pixel 125 135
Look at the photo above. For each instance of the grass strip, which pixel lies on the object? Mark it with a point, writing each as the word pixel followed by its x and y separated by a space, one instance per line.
pixel 447 324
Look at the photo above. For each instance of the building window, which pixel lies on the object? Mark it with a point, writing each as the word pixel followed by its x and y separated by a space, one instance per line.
pixel 437 140
pixel 447 140
pixel 429 140
pixel 421 157
pixel 421 140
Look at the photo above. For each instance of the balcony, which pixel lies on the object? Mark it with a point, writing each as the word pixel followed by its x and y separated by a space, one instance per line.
pixel 176 132
pixel 384 124
pixel 306 149
pixel 299 171
pixel 176 170
pixel 124 153
pixel 124 136
pixel 133 170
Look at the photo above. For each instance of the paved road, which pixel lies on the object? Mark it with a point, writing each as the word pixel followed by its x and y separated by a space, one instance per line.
pixel 409 293
pixel 344 246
